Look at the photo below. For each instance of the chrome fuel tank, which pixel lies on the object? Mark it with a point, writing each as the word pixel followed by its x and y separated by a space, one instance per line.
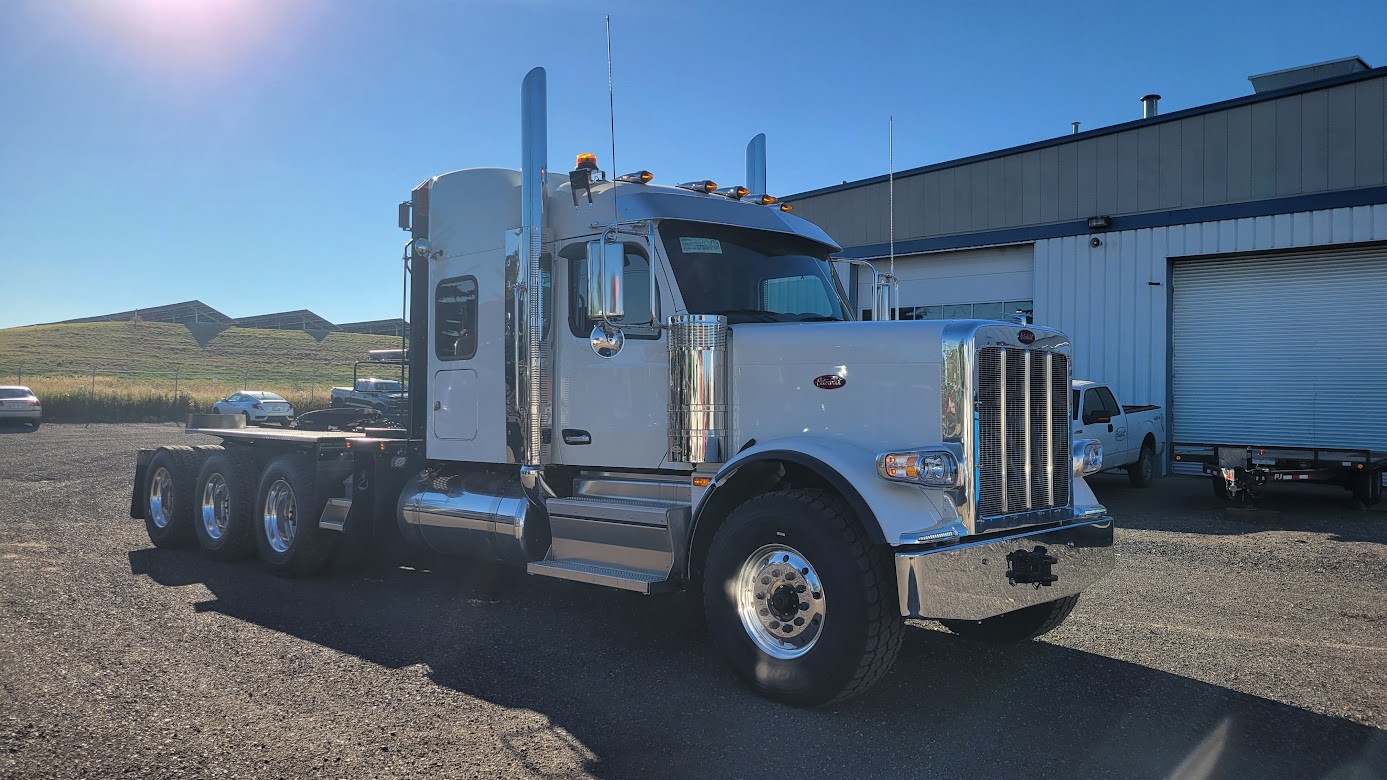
pixel 473 515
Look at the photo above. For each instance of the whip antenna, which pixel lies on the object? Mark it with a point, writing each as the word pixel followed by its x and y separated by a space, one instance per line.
pixel 616 215
pixel 891 191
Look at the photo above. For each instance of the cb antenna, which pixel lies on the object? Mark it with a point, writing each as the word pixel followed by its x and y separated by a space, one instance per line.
pixel 611 100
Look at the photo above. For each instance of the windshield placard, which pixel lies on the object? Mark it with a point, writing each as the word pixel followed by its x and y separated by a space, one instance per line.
pixel 700 246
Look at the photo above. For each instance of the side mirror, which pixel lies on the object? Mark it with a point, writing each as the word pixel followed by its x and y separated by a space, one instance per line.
pixel 606 268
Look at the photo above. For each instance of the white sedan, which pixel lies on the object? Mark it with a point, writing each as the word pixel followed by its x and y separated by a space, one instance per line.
pixel 257 406
pixel 19 404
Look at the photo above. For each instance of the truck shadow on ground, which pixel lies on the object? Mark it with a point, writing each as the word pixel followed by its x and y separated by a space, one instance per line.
pixel 1187 505
pixel 633 680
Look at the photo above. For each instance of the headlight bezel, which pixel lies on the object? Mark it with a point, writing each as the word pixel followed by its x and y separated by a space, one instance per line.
pixel 926 467
pixel 1087 456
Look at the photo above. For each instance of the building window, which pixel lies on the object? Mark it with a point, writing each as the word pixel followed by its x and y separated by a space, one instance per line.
pixel 455 319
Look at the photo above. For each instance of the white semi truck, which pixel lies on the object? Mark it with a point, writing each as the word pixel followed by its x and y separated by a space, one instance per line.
pixel 661 389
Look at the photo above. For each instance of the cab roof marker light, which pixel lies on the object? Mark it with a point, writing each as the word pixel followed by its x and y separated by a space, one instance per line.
pixel 787 208
pixel 735 193
pixel 639 177
pixel 702 185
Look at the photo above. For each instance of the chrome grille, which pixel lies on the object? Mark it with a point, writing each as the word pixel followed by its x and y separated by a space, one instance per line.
pixel 1023 430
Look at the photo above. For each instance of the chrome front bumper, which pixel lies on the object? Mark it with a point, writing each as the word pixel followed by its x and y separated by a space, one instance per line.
pixel 970 581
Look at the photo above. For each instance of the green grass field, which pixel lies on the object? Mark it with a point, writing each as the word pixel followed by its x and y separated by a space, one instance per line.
pixel 137 366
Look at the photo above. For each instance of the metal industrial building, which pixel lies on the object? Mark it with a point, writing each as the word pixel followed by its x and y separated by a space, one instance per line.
pixel 1234 249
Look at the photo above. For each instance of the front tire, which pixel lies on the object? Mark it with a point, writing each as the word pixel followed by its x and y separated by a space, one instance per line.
pixel 1018 626
pixel 1141 473
pixel 798 601
pixel 223 520
pixel 287 508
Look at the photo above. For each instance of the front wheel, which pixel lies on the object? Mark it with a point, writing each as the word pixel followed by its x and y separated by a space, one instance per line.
pixel 798 601
pixel 1018 626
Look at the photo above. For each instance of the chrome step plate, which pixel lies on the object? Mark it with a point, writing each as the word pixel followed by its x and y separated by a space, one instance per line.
pixel 638 580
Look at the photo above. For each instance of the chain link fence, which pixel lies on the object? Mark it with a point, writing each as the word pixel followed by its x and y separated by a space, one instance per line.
pixel 107 393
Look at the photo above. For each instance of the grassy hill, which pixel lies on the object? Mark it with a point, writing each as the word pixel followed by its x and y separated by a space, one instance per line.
pixel 157 371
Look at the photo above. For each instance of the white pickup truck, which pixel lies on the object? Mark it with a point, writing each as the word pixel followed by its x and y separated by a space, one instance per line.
pixel 1133 436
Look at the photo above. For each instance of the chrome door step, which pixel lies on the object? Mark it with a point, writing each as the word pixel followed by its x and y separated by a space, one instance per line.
pixel 638 580
pixel 334 517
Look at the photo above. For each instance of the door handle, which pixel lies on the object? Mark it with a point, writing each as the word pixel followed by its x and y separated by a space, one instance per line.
pixel 1109 427
pixel 576 437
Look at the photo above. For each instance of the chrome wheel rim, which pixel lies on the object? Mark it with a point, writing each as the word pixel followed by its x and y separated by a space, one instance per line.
pixel 160 497
pixel 780 600
pixel 281 516
pixel 216 506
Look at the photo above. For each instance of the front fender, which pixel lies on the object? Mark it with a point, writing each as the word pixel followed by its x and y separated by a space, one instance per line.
pixel 891 512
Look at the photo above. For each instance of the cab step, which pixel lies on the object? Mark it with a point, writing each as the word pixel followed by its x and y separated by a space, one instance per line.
pixel 638 580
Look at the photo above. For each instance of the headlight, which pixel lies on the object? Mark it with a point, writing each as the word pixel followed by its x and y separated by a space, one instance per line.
pixel 1088 456
pixel 935 468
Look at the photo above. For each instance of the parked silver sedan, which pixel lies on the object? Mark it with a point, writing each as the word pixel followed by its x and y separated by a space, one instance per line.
pixel 257 406
pixel 19 404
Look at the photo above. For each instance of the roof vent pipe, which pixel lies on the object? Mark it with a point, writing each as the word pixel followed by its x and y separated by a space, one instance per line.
pixel 1148 106
pixel 756 164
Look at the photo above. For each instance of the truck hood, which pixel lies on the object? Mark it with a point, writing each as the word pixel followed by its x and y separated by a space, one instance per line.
pixel 872 384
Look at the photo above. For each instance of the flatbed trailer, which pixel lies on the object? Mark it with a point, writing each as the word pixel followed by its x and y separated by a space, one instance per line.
pixel 1239 472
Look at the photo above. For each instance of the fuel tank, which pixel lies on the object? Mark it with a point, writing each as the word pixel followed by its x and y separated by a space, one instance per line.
pixel 482 515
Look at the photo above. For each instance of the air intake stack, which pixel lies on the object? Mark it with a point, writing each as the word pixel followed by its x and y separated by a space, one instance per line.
pixel 698 391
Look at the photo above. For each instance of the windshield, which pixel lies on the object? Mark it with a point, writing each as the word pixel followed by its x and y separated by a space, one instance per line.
pixel 14 392
pixel 386 385
pixel 752 275
pixel 264 396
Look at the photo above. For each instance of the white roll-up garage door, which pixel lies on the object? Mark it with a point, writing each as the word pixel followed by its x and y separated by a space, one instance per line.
pixel 1282 350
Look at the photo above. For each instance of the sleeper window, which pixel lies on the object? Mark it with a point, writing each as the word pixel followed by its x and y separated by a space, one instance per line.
pixel 455 319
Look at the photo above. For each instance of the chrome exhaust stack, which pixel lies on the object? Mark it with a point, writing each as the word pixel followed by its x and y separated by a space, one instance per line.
pixel 534 150
pixel 698 388
pixel 756 164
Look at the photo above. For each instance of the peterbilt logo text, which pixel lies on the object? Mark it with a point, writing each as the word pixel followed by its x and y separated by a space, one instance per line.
pixel 829 382
pixel 1026 337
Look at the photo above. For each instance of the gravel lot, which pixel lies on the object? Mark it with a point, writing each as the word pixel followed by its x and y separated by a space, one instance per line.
pixel 1220 648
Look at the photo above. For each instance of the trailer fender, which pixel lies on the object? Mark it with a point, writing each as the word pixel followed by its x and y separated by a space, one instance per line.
pixel 890 512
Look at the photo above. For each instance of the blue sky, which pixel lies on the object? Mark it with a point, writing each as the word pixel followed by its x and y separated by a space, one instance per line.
pixel 250 153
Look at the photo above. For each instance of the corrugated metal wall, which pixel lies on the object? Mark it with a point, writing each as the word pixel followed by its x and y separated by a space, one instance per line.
pixel 1103 297
pixel 1320 141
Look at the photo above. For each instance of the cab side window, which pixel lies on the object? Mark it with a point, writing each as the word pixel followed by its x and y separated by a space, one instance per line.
pixel 1110 407
pixel 1093 407
pixel 455 318
pixel 635 293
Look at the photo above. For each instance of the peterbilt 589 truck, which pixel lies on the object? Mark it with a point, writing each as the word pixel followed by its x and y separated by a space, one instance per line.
pixel 661 389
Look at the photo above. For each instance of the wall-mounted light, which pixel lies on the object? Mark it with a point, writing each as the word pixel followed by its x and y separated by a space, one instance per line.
pixel 1099 223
